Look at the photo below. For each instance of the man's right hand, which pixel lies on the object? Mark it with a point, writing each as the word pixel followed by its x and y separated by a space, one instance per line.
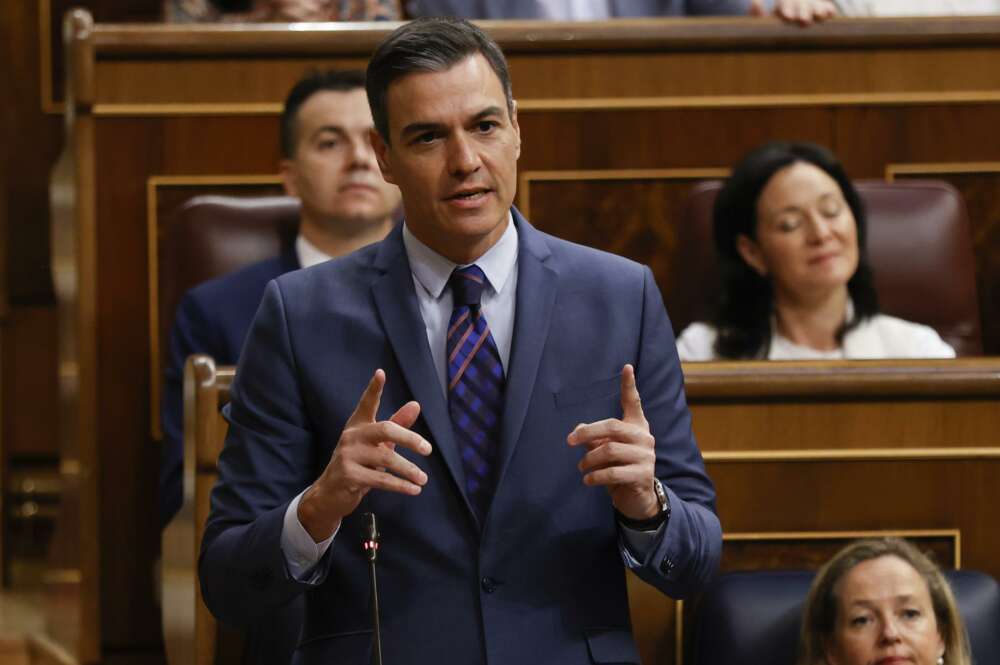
pixel 365 458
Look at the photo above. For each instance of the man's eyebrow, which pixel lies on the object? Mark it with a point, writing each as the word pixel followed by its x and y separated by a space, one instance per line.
pixel 336 129
pixel 487 112
pixel 421 127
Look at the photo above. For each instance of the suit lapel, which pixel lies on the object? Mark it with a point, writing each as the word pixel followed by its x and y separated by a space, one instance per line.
pixel 399 311
pixel 537 283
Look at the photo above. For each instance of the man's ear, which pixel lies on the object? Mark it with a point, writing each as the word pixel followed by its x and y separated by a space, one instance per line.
pixel 288 177
pixel 381 155
pixel 750 251
pixel 517 128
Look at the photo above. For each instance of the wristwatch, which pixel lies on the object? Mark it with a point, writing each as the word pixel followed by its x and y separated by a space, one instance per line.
pixel 653 523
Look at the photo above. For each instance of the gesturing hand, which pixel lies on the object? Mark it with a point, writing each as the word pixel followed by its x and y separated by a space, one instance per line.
pixel 365 458
pixel 621 454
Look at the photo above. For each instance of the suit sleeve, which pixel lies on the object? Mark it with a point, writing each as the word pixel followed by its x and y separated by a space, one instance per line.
pixel 267 461
pixel 686 552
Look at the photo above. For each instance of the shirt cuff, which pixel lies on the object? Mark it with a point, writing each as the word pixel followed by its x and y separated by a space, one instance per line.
pixel 301 552
pixel 636 545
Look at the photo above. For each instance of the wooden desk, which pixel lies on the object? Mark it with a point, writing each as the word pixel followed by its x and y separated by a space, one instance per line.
pixel 617 120
pixel 805 456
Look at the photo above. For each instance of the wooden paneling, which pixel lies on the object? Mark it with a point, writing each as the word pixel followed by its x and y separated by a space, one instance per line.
pixel 32 142
pixel 661 95
pixel 30 376
pixel 808 550
pixel 630 216
pixel 50 47
pixel 659 138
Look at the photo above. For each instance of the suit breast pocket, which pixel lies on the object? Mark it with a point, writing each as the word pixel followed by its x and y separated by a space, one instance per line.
pixel 604 390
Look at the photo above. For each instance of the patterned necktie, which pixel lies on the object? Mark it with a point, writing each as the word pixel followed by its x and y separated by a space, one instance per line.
pixel 475 386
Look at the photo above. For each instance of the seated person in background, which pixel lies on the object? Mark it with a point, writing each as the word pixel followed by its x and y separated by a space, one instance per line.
pixel 881 601
pixel 802 12
pixel 329 165
pixel 279 11
pixel 790 234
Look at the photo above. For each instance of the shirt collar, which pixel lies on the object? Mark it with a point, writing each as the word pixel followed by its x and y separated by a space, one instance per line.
pixel 308 253
pixel 433 270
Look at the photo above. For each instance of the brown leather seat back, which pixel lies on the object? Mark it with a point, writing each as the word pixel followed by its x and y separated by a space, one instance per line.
pixel 919 245
pixel 210 236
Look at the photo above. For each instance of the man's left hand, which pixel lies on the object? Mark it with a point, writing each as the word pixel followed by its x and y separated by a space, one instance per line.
pixel 621 454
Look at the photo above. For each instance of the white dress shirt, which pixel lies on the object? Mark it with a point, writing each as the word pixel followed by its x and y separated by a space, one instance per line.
pixel 918 7
pixel 881 336
pixel 574 10
pixel 308 253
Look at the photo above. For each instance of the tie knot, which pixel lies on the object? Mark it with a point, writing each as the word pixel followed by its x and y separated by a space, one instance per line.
pixel 467 285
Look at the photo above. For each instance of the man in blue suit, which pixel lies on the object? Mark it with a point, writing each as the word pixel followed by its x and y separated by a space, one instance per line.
pixel 329 165
pixel 476 384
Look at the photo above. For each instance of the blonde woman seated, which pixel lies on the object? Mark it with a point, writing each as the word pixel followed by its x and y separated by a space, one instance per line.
pixel 882 601
pixel 790 234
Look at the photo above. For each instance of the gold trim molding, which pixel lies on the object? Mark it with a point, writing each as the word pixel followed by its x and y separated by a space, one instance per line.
pixel 858 455
pixel 582 104
pixel 892 171
pixel 185 109
pixel 153 263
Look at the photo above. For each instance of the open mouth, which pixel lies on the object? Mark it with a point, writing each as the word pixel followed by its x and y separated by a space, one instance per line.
pixel 469 195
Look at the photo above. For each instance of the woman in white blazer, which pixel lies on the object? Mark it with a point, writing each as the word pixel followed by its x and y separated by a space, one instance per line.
pixel 790 233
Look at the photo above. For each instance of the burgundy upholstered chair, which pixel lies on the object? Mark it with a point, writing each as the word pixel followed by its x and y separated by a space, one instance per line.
pixel 209 236
pixel 919 246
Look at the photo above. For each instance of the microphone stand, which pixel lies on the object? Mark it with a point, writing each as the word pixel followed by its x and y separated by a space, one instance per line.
pixel 369 544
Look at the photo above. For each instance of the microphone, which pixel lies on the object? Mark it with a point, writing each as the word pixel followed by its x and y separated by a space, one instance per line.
pixel 370 543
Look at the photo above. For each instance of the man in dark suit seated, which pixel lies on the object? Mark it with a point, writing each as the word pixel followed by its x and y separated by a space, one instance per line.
pixel 474 383
pixel 329 165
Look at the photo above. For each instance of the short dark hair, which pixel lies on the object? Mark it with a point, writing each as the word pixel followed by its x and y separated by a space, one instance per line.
pixel 743 316
pixel 432 44
pixel 312 82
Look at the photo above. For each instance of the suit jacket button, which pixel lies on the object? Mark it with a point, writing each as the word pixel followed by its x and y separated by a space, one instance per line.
pixel 667 566
pixel 489 584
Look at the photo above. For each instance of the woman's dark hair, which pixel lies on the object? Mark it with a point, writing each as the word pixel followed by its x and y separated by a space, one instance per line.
pixel 743 316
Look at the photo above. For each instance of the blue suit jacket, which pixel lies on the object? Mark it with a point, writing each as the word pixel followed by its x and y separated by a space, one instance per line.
pixel 542 580
pixel 513 9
